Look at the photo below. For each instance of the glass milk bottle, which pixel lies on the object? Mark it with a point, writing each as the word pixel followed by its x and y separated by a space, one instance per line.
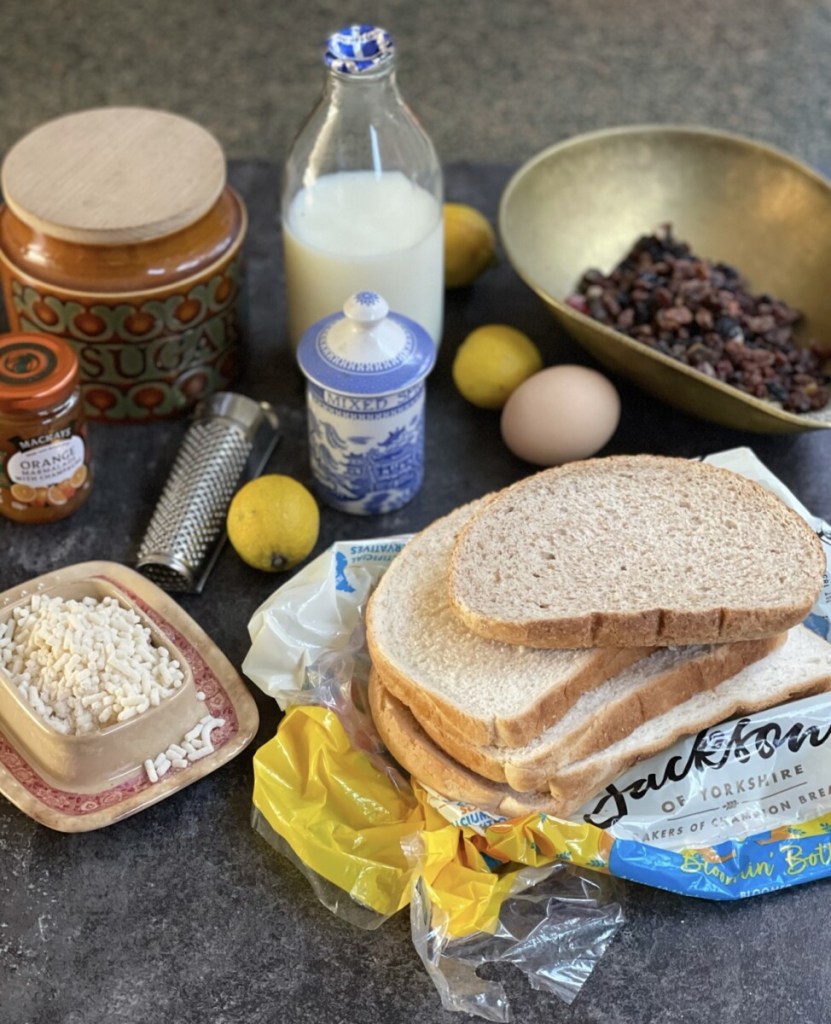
pixel 362 196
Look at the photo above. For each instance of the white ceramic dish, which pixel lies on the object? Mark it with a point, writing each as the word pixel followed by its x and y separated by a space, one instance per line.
pixel 78 783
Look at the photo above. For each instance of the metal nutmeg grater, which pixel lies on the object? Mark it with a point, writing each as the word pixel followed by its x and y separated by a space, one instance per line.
pixel 228 443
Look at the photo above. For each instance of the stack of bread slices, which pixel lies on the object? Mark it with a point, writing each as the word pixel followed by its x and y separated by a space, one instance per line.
pixel 529 647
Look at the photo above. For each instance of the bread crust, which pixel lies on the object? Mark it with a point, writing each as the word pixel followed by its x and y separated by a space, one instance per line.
pixel 419 756
pixel 652 627
pixel 662 693
pixel 658 627
pixel 509 732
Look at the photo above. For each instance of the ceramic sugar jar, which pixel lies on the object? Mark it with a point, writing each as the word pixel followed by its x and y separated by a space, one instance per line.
pixel 366 370
pixel 120 234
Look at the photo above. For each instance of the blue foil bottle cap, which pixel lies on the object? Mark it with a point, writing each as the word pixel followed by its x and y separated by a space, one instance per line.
pixel 366 349
pixel 357 49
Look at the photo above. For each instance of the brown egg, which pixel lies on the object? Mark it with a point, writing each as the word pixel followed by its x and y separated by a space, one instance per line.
pixel 560 414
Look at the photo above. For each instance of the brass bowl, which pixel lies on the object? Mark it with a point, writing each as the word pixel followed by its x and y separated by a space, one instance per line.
pixel 584 202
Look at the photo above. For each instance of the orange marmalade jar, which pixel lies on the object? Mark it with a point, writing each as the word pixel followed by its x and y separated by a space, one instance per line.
pixel 44 458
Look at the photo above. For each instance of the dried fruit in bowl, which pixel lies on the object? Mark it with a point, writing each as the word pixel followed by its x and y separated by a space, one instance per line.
pixel 701 313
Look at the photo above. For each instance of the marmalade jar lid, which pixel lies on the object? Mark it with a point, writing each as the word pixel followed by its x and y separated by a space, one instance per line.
pixel 113 176
pixel 35 371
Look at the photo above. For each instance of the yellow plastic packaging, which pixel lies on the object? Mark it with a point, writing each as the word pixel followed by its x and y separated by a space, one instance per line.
pixel 346 818
pixel 342 816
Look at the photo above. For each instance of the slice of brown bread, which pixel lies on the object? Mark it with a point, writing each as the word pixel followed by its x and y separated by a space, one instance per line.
pixel 413 749
pixel 801 666
pixel 632 550
pixel 488 691
pixel 655 684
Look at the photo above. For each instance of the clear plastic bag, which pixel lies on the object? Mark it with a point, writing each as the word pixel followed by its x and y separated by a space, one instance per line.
pixel 555 927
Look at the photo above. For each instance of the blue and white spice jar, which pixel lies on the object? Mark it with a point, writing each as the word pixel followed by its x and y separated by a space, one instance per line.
pixel 365 370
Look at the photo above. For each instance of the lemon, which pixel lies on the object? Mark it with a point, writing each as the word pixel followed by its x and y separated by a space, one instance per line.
pixel 273 523
pixel 492 362
pixel 469 245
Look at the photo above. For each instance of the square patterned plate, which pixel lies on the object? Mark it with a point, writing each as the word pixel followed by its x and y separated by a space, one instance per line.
pixel 80 783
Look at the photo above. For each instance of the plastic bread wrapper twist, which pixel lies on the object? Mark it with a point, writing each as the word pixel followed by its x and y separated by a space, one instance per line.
pixel 537 891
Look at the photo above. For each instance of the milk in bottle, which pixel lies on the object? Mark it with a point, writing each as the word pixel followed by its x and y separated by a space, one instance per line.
pixel 362 199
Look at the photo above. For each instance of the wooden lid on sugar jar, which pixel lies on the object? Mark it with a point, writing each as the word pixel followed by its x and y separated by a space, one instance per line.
pixel 116 201
pixel 113 176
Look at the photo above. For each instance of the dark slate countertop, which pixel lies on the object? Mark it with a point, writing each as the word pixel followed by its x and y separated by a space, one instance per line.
pixel 182 913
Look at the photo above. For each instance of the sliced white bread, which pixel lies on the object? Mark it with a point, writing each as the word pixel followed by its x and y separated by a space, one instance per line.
pixel 418 755
pixel 801 666
pixel 655 684
pixel 488 691
pixel 632 550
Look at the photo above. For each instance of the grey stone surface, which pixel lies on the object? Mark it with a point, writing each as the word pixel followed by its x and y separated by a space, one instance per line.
pixel 182 913
pixel 491 80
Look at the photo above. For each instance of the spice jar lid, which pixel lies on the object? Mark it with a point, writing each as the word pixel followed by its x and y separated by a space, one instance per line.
pixel 366 350
pixel 113 176
pixel 36 370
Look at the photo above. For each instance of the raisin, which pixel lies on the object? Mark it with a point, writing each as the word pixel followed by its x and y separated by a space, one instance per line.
pixel 701 313
pixel 727 326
